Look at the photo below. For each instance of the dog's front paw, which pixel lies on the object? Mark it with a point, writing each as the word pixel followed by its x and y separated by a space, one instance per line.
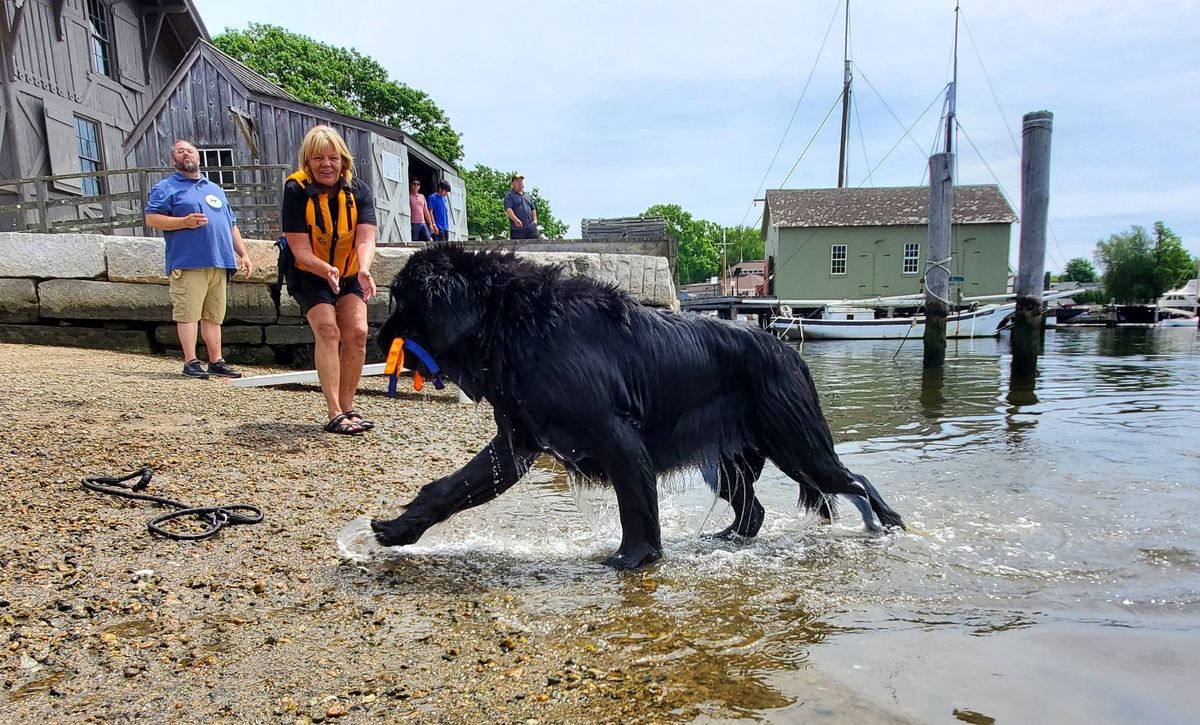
pixel 395 532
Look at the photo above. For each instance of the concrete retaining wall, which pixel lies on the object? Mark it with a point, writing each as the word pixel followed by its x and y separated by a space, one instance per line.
pixel 109 292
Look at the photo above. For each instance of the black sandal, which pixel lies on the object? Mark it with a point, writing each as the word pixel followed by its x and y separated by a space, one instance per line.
pixel 360 421
pixel 342 425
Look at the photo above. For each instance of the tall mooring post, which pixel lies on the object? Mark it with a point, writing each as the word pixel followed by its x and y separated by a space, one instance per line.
pixel 937 269
pixel 1028 326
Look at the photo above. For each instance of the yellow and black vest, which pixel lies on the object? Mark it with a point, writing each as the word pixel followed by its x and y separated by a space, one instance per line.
pixel 335 246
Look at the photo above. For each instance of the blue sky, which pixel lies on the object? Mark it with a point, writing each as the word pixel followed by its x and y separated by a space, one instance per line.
pixel 611 106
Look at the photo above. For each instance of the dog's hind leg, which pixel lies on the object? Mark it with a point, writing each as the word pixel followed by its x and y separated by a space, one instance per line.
pixel 734 482
pixel 490 473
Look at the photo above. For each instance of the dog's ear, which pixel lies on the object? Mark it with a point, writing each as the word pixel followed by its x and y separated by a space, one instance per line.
pixel 454 309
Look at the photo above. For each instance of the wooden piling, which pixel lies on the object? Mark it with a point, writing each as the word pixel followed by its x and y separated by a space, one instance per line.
pixel 1028 325
pixel 937 269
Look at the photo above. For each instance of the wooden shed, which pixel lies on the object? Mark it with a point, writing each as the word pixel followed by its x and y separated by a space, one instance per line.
pixel 236 117
pixel 76 76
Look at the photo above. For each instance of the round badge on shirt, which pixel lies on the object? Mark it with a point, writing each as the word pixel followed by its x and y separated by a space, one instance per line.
pixel 213 201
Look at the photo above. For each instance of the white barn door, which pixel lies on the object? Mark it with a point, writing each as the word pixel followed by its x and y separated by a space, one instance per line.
pixel 390 161
pixel 458 208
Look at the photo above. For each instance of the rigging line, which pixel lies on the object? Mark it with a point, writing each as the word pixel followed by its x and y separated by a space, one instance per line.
pixel 1012 137
pixel 967 136
pixel 804 244
pixel 889 108
pixel 1061 252
pixel 862 139
pixel 938 135
pixel 807 146
pixel 811 72
pixel 963 131
pixel 907 133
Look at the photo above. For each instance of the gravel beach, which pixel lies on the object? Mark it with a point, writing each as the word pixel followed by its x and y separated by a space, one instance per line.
pixel 264 623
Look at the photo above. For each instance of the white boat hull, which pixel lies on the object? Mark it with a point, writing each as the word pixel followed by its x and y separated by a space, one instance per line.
pixel 983 322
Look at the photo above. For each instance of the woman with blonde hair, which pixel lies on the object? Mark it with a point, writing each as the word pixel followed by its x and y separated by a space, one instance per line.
pixel 328 222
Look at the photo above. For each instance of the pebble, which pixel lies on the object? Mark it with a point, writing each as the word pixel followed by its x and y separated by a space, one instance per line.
pixel 271 600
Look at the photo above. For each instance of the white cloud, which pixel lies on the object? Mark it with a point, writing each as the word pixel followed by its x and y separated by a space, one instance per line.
pixel 611 106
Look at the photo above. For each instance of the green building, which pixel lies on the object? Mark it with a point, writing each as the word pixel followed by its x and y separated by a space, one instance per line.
pixel 853 243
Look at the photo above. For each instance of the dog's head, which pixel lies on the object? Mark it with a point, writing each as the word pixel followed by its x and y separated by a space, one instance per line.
pixel 437 300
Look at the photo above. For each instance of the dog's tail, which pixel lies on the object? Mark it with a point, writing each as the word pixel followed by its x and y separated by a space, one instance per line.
pixel 792 432
pixel 887 516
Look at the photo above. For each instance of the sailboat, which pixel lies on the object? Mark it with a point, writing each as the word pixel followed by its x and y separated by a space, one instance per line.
pixel 893 317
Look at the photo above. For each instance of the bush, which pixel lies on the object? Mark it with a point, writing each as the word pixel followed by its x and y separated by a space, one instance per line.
pixel 1091 297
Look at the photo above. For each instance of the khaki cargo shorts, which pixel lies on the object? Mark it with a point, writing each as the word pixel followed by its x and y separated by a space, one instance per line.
pixel 198 294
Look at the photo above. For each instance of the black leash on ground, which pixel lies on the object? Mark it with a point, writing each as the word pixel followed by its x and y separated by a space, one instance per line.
pixel 216 516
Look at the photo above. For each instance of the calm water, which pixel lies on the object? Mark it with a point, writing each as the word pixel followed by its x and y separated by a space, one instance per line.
pixel 1052 573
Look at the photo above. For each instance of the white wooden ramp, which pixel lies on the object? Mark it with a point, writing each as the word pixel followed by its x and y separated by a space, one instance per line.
pixel 300 376
pixel 310 376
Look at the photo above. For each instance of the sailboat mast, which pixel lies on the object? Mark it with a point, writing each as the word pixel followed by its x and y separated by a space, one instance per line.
pixel 845 106
pixel 952 91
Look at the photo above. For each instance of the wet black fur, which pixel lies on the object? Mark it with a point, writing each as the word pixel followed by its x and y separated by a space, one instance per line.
pixel 614 390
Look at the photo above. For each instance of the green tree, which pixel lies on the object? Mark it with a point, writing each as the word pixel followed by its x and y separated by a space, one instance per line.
pixel 486 219
pixel 1091 297
pixel 344 80
pixel 1173 266
pixel 699 256
pixel 1128 265
pixel 1079 269
pixel 1140 268
pixel 745 244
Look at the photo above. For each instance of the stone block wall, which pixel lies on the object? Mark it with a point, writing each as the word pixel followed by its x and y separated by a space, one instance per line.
pixel 109 292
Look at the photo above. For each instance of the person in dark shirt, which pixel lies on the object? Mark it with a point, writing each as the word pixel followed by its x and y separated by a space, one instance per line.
pixel 328 221
pixel 522 216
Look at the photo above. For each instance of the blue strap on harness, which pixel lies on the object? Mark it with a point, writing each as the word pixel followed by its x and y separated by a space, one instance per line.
pixel 425 357
pixel 434 370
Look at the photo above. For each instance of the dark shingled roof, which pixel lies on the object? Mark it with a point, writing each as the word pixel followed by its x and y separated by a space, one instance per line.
pixel 885 206
pixel 252 79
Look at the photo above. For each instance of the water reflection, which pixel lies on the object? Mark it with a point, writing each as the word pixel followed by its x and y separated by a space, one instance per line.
pixel 1067 496
pixel 933 394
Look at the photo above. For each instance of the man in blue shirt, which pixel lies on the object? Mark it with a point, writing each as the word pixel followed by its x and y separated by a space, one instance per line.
pixel 204 249
pixel 440 206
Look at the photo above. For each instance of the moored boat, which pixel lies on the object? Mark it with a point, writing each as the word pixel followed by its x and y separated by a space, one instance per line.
pixel 844 322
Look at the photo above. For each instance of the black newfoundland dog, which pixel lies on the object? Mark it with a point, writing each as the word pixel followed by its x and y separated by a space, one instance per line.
pixel 613 390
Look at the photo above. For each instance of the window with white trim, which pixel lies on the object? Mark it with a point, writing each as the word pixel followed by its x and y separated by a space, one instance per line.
pixel 100 44
pixel 217 160
pixel 912 258
pixel 837 259
pixel 87 145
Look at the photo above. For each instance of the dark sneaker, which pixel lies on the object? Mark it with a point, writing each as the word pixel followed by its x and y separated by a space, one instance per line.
pixel 193 369
pixel 222 370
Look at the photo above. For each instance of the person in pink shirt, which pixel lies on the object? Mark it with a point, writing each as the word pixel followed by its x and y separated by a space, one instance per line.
pixel 422 219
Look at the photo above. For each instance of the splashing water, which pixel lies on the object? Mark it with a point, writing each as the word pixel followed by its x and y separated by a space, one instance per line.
pixel 356 541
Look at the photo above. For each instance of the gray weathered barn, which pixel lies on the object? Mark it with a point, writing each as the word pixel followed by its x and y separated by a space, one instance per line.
pixel 77 77
pixel 107 85
pixel 236 117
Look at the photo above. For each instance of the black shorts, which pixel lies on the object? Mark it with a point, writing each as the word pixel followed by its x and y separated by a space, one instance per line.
pixel 310 290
